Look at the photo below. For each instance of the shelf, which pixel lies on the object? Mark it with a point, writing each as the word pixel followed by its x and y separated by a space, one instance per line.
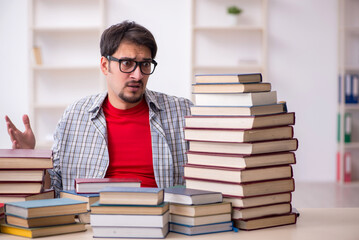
pixel 244 67
pixel 351 145
pixel 228 28
pixel 64 29
pixel 64 67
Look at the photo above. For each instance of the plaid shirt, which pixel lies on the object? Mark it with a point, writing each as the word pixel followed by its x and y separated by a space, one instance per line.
pixel 80 141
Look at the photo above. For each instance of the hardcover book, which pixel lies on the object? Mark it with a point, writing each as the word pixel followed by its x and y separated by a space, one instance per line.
pixel 131 196
pixel 25 158
pixel 129 232
pixel 246 202
pixel 40 221
pixel 46 194
pixel 94 185
pixel 21 187
pixel 200 210
pixel 201 229
pixel 190 196
pixel 201 220
pixel 230 87
pixel 261 211
pixel 229 78
pixel 160 209
pixel 10 175
pixel 90 198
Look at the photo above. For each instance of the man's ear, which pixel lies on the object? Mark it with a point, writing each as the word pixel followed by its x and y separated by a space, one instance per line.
pixel 105 65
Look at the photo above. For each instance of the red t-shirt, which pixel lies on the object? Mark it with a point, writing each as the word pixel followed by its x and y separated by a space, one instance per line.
pixel 129 143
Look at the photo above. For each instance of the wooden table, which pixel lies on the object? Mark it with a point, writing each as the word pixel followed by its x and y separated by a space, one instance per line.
pixel 313 223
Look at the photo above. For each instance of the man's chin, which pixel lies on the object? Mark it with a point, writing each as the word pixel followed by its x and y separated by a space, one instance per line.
pixel 131 99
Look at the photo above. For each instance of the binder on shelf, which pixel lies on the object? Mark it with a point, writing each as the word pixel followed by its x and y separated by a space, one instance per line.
pixel 351 88
pixel 347 127
pixel 347 157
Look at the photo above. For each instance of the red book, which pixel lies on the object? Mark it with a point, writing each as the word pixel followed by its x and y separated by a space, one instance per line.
pixel 25 158
pixel 94 185
pixel 1 208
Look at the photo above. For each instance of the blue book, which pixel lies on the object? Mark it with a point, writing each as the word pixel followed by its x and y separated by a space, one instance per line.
pixel 201 229
pixel 46 207
pixel 131 195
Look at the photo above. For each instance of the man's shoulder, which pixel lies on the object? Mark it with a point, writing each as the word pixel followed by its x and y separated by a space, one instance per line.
pixel 163 99
pixel 88 103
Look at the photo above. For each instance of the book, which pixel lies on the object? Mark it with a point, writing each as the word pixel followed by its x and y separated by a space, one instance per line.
pixel 46 194
pixel 230 87
pixel 131 195
pixel 347 172
pixel 90 198
pixel 160 209
pixel 201 229
pixel 244 148
pixel 261 211
pixel 235 99
pixel 229 78
pixel 130 220
pixel 2 208
pixel 9 175
pixel 243 189
pixel 25 158
pixel 190 196
pixel 280 107
pixel 37 55
pixel 40 221
pixel 266 222
pixel 238 135
pixel 20 187
pixel 237 175
pixel 130 232
pixel 46 207
pixel 246 202
pixel 347 127
pixel 241 122
pixel 240 160
pixel 94 185
pixel 200 210
pixel 201 220
pixel 42 231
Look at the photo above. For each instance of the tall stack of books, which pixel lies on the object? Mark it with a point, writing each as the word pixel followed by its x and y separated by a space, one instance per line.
pixel 194 212
pixel 130 212
pixel 45 217
pixel 22 174
pixel 241 143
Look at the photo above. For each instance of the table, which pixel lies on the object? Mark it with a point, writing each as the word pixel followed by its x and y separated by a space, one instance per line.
pixel 313 223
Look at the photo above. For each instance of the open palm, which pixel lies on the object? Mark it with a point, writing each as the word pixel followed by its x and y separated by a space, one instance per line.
pixel 20 139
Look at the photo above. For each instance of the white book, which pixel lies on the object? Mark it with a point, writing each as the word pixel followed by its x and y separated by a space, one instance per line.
pixel 130 232
pixel 235 99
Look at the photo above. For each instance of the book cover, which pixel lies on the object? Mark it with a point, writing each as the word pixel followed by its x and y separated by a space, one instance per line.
pixel 190 196
pixel 94 185
pixel 46 194
pixel 230 87
pixel 227 78
pixel 269 199
pixel 200 210
pixel 8 175
pixel 40 221
pixel 25 158
pixel 201 220
pixel 131 195
pixel 21 187
pixel 201 229
pixel 97 208
pixel 130 232
pixel 90 198
pixel 261 211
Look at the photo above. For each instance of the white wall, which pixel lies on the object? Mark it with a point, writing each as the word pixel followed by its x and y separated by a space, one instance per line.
pixel 302 66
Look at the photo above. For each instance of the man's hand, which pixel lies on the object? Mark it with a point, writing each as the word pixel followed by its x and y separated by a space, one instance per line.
pixel 20 139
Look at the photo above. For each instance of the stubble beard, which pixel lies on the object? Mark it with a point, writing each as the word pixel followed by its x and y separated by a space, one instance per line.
pixel 130 99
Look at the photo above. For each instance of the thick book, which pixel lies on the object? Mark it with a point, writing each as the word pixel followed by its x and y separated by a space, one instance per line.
pixel 42 231
pixel 131 195
pixel 25 158
pixel 238 135
pixel 21 187
pixel 46 194
pixel 261 211
pixel 190 196
pixel 200 210
pixel 129 220
pixel 229 78
pixel 244 148
pixel 235 99
pixel 259 110
pixel 1 208
pixel 240 160
pixel 9 175
pixel 243 189
pixel 246 202
pixel 90 198
pixel 237 175
pixel 266 222
pixel 94 185
pixel 201 229
pixel 40 221
pixel 46 207
pixel 201 220
pixel 241 122
pixel 230 87
pixel 129 232
pixel 160 209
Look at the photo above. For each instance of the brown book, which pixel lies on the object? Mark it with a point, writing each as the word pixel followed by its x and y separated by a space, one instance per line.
pixel 240 122
pixel 25 158
pixel 40 221
pixel 237 175
pixel 160 209
pixel 90 198
pixel 229 78
pixel 266 222
pixel 246 202
pixel 200 210
pixel 238 135
pixel 131 196
pixel 46 194
pixel 243 189
pixel 10 175
pixel 261 211
pixel 240 160
pixel 21 187
pixel 244 148
pixel 230 87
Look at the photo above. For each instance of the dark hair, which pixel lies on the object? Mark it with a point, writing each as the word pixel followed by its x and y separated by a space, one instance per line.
pixel 126 31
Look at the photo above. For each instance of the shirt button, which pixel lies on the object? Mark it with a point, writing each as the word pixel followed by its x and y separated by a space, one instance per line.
pixel 100 172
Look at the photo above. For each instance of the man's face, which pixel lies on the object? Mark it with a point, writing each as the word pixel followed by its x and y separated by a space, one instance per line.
pixel 125 90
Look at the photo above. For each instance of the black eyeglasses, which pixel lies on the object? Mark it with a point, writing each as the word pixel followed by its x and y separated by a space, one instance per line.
pixel 129 65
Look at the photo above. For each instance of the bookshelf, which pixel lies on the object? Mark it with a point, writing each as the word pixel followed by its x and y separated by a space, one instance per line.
pixel 220 45
pixel 64 66
pixel 348 74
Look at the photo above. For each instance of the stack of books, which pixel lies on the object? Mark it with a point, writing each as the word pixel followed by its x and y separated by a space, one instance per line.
pixel 45 217
pixel 23 173
pixel 130 212
pixel 241 143
pixel 194 212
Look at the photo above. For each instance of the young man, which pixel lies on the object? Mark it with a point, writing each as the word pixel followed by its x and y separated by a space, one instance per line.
pixel 128 131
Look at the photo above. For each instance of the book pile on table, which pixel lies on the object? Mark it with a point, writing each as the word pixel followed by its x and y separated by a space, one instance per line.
pixel 241 143
pixel 2 213
pixel 45 217
pixel 130 212
pixel 22 174
pixel 194 212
